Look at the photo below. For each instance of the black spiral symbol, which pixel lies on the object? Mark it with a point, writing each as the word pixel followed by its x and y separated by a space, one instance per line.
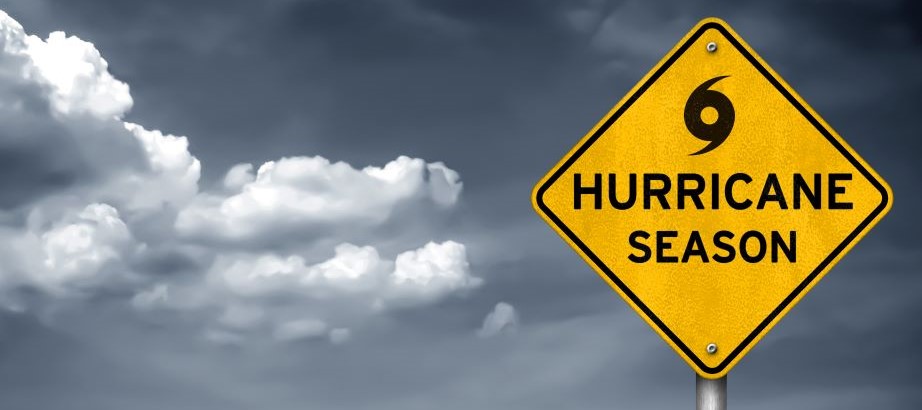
pixel 701 98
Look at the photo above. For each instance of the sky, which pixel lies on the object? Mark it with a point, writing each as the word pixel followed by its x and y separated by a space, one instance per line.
pixel 316 204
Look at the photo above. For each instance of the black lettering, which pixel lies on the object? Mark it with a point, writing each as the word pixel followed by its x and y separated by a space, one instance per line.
pixel 693 193
pixel 814 194
pixel 728 191
pixel 720 244
pixel 744 246
pixel 632 192
pixel 715 191
pixel 579 190
pixel 642 247
pixel 660 193
pixel 835 189
pixel 789 249
pixel 772 192
pixel 695 247
pixel 662 245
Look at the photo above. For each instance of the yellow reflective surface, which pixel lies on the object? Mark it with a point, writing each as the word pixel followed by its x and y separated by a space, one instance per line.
pixel 698 302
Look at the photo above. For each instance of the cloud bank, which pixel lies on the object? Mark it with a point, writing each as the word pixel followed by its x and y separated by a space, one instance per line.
pixel 100 207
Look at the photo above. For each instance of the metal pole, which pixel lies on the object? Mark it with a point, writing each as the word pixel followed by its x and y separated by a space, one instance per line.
pixel 711 393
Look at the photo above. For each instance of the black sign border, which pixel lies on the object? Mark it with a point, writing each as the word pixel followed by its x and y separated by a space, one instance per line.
pixel 800 288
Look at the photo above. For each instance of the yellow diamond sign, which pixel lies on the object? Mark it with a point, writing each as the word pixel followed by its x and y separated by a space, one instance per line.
pixel 712 198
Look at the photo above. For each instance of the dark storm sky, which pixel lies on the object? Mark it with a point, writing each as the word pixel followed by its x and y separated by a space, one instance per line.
pixel 499 91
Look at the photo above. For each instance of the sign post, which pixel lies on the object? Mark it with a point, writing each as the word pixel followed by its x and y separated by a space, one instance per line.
pixel 711 394
pixel 712 198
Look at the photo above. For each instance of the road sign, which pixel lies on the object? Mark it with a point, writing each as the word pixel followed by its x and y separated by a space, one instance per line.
pixel 712 198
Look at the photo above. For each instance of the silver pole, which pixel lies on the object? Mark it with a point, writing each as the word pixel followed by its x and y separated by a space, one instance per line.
pixel 711 393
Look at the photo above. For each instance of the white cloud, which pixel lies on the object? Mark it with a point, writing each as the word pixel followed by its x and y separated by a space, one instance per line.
pixel 304 192
pixel 173 173
pixel 256 291
pixel 84 250
pixel 352 269
pixel 432 271
pixel 418 275
pixel 78 247
pixel 78 76
pixel 72 72
pixel 444 184
pixel 97 202
pixel 502 320
pixel 238 176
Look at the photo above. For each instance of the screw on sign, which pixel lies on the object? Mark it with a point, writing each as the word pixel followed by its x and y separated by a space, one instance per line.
pixel 711 198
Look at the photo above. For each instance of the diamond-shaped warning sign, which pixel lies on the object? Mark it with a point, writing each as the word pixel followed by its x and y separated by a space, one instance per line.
pixel 712 198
